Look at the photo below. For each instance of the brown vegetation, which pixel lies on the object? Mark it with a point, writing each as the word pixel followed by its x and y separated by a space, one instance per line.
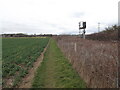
pixel 109 34
pixel 95 61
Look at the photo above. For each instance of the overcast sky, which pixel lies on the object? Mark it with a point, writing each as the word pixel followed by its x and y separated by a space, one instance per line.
pixel 56 16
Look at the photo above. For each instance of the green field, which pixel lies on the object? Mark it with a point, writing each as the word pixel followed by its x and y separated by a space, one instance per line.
pixel 18 57
pixel 56 72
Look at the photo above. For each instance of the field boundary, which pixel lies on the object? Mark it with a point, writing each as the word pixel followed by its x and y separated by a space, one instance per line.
pixel 56 71
pixel 28 79
pixel 95 61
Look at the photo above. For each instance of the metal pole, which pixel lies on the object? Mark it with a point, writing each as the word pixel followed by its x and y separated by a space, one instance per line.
pixel 79 30
pixel 84 34
pixel 79 33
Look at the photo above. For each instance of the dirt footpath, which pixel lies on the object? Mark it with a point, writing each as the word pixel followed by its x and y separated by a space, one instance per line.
pixel 27 81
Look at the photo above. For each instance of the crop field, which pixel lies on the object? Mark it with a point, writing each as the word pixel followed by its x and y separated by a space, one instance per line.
pixel 66 62
pixel 18 57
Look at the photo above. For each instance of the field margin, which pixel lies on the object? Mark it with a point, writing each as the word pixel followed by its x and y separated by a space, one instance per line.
pixel 28 79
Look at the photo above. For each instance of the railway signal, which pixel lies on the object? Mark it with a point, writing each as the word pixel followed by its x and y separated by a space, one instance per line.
pixel 82 25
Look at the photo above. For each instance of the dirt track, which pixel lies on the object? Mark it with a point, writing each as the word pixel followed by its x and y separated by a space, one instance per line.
pixel 27 81
pixel 56 71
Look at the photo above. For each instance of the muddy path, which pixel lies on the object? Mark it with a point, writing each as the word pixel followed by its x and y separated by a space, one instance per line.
pixel 28 79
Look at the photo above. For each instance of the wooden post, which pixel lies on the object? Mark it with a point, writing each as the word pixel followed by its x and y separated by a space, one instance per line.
pixel 75 47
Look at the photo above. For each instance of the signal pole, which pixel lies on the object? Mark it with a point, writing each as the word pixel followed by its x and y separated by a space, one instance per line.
pixel 79 30
pixel 82 25
pixel 84 34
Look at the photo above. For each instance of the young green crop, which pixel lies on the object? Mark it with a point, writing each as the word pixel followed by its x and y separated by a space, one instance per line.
pixel 18 57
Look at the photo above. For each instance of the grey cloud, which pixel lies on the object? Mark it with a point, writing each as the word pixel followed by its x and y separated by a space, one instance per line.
pixel 119 13
pixel 15 27
pixel 41 27
pixel 78 14
pixel 56 26
pixel 110 23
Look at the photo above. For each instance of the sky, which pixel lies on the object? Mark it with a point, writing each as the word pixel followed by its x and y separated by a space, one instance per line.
pixel 56 16
pixel 119 13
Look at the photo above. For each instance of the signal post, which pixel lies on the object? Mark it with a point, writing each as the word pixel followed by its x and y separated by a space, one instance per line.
pixel 82 25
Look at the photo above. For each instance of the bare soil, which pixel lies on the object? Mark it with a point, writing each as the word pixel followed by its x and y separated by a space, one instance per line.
pixel 28 79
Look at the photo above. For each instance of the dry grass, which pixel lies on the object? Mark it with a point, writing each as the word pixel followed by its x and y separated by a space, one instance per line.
pixel 95 61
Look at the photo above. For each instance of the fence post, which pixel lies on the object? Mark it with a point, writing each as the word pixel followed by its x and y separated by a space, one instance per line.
pixel 75 47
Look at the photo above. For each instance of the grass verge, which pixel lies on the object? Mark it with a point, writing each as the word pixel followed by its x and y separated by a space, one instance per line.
pixel 55 71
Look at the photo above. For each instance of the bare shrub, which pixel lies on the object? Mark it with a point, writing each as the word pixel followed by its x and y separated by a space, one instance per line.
pixel 95 61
